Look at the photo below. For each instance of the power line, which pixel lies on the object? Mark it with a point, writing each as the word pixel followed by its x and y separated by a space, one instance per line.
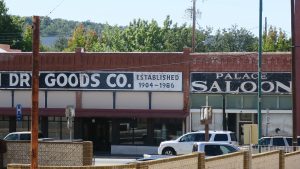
pixel 55 8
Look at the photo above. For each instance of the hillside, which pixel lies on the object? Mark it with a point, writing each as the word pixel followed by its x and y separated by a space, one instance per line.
pixel 56 27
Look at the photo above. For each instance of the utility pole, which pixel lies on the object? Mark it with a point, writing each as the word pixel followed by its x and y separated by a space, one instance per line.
pixel 194 26
pixel 294 70
pixel 259 73
pixel 266 29
pixel 35 91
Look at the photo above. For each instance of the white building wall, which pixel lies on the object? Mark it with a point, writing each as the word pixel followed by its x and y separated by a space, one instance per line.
pixel 216 123
pixel 60 99
pixel 97 100
pixel 5 98
pixel 167 100
pixel 132 100
pixel 283 121
pixel 24 98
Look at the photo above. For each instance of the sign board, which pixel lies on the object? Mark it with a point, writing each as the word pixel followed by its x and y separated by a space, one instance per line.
pixel 19 112
pixel 240 82
pixel 135 81
pixel 206 115
pixel 250 133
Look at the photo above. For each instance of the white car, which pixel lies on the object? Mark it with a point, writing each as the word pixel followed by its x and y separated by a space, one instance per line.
pixel 23 135
pixel 214 148
pixel 184 144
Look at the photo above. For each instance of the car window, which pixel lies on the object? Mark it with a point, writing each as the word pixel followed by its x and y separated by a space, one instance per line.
pixel 221 137
pixel 298 141
pixel 25 136
pixel 200 137
pixel 212 150
pixel 265 141
pixel 227 149
pixel 12 137
pixel 233 137
pixel 188 138
pixel 278 142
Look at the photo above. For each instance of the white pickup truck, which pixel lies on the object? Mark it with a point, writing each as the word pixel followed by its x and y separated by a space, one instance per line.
pixel 214 148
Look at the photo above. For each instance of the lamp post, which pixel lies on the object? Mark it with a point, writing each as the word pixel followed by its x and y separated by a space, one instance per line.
pixel 259 72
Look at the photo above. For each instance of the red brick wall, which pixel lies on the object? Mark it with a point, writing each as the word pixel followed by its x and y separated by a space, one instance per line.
pixel 240 62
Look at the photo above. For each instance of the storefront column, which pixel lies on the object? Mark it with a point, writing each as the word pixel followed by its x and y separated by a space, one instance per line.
pixel 44 126
pixel 12 124
pixel 150 132
pixel 115 132
pixel 78 128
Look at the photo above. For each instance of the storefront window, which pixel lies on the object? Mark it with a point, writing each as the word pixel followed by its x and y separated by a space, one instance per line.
pixel 64 130
pixel 285 102
pixel 249 102
pixel 166 129
pixel 198 100
pixel 4 126
pixel 24 124
pixel 269 102
pixel 233 102
pixel 58 128
pixel 133 131
pixel 54 127
pixel 215 101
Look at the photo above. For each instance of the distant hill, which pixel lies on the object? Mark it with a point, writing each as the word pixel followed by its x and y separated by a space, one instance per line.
pixel 51 29
pixel 57 27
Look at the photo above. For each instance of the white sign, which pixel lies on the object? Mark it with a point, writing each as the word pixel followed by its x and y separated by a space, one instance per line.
pixel 158 81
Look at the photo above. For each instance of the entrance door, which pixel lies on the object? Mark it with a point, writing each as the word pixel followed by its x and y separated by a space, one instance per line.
pixel 97 130
pixel 244 118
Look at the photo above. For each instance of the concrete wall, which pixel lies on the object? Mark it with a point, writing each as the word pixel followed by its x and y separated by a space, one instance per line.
pixel 50 153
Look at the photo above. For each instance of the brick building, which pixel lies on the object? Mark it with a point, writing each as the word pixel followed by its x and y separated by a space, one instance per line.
pixel 135 100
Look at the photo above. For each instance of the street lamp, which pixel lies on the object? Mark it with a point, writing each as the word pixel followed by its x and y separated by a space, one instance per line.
pixel 259 72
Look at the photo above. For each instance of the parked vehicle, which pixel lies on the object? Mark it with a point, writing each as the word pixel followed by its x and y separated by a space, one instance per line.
pixel 23 135
pixel 275 143
pixel 184 143
pixel 214 148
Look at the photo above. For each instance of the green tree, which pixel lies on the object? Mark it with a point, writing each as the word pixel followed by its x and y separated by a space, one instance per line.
pixel 276 40
pixel 77 39
pixel 10 28
pixel 61 43
pixel 81 37
pixel 27 39
pixel 270 43
pixel 283 42
pixel 91 39
pixel 233 39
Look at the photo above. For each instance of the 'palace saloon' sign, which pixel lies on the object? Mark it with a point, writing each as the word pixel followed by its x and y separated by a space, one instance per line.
pixel 234 82
pixel 137 81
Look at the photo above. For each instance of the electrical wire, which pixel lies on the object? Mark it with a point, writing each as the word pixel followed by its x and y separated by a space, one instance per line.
pixel 54 8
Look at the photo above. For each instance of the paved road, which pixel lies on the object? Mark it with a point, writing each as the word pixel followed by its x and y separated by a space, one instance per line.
pixel 111 160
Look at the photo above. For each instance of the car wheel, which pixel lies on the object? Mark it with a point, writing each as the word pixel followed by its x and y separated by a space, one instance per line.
pixel 168 151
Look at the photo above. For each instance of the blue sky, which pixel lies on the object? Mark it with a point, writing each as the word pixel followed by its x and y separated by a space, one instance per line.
pixel 214 13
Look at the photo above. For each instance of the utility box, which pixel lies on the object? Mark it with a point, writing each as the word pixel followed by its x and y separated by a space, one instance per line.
pixel 250 134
